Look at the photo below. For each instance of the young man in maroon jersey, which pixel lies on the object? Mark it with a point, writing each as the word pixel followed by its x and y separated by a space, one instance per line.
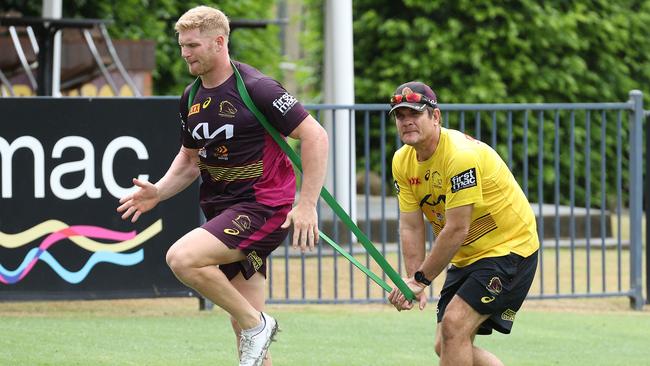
pixel 248 187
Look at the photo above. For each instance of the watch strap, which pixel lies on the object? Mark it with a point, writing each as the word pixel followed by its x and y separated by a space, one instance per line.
pixel 419 277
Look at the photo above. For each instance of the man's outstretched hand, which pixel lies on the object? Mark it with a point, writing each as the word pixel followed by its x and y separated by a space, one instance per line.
pixel 143 200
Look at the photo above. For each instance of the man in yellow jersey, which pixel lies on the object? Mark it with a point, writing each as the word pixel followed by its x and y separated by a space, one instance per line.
pixel 486 235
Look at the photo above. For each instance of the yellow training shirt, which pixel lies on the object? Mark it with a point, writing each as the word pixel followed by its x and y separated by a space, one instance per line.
pixel 465 171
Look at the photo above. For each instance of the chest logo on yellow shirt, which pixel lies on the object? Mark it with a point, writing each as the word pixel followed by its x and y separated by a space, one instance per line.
pixel 437 180
pixel 227 109
pixel 466 179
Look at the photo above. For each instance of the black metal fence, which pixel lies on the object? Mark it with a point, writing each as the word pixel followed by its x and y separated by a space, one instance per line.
pixel 65 162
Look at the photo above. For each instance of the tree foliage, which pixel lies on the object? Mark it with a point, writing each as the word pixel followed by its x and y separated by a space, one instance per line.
pixel 155 19
pixel 470 51
pixel 480 51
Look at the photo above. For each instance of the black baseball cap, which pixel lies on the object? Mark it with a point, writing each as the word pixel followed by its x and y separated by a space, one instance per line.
pixel 415 95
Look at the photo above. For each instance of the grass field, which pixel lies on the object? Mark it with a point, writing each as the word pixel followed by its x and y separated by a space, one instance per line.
pixel 174 332
pixel 600 331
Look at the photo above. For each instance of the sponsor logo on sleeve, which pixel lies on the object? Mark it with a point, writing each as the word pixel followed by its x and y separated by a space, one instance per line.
pixel 466 179
pixel 284 103
pixel 396 186
pixel 194 109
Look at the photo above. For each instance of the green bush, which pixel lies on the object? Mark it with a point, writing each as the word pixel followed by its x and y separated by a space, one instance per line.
pixel 155 19
pixel 500 52
pixel 470 51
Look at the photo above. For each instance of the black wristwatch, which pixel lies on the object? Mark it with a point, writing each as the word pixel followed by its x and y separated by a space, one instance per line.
pixel 419 276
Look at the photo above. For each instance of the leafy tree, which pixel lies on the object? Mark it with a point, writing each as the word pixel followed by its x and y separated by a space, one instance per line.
pixel 470 51
pixel 480 51
pixel 310 64
pixel 155 19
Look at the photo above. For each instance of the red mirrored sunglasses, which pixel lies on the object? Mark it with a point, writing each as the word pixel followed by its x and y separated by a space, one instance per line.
pixel 412 98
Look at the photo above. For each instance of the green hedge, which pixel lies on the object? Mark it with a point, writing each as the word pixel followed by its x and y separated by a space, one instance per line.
pixel 470 51
pixel 525 51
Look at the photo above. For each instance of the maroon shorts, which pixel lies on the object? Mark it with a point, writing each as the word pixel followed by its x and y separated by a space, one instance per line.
pixel 254 229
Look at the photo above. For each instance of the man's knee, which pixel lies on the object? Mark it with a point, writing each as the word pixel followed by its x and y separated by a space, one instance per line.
pixel 178 259
pixel 453 326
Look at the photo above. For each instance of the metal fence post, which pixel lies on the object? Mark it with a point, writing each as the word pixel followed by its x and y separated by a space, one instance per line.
pixel 647 209
pixel 636 199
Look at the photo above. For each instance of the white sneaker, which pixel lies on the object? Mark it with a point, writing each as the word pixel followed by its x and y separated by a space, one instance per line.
pixel 252 348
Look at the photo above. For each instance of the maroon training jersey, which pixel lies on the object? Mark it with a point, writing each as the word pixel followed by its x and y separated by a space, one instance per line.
pixel 239 160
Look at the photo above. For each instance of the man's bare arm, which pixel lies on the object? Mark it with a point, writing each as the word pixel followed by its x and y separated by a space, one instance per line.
pixel 411 232
pixel 448 242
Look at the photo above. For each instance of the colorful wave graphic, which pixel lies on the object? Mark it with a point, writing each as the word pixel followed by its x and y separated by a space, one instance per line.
pixel 80 235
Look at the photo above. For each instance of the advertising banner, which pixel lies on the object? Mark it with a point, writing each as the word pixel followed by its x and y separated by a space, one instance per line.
pixel 64 165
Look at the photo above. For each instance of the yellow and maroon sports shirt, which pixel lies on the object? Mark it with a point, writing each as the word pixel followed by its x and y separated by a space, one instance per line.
pixel 465 171
pixel 239 160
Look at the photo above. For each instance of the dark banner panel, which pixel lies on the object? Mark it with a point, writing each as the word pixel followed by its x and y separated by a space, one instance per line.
pixel 64 165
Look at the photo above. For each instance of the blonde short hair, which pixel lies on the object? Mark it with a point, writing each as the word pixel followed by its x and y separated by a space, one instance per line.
pixel 206 19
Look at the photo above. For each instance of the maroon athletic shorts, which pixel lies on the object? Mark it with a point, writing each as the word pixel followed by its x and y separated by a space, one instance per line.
pixel 253 228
